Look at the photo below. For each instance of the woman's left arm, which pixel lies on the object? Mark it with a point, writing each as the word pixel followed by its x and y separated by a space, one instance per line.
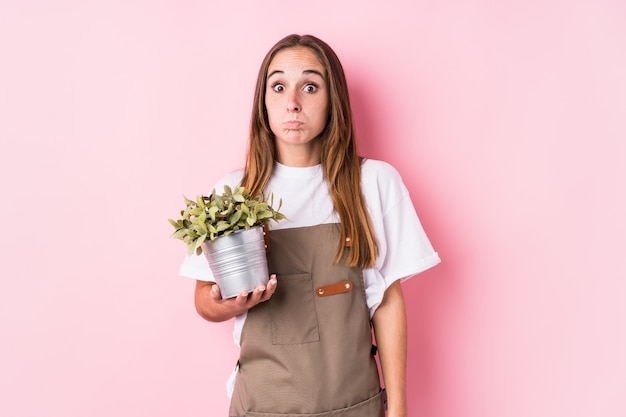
pixel 390 330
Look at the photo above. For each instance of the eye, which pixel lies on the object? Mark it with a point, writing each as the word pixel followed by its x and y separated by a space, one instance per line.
pixel 310 88
pixel 278 87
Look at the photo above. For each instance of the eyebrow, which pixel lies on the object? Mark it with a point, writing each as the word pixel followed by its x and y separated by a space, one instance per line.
pixel 306 72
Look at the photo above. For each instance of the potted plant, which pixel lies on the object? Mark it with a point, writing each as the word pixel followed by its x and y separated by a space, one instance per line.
pixel 229 228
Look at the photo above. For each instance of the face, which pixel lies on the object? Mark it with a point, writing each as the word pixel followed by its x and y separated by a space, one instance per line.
pixel 296 99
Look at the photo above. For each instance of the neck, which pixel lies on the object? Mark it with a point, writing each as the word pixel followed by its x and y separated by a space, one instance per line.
pixel 300 155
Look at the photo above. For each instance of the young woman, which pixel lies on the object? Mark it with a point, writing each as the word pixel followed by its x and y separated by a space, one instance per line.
pixel 351 236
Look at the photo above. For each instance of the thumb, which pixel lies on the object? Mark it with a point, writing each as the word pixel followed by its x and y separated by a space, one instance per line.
pixel 215 292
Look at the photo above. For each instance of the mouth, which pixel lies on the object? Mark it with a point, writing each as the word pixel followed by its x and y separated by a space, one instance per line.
pixel 293 124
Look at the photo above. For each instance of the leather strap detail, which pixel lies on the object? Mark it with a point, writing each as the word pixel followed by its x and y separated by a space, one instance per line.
pixel 334 289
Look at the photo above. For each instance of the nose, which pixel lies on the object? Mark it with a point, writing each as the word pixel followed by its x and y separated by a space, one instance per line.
pixel 293 105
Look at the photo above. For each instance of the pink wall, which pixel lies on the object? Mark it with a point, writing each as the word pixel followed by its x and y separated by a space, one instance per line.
pixel 506 119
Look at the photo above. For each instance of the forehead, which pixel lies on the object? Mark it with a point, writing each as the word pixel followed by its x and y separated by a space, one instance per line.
pixel 297 59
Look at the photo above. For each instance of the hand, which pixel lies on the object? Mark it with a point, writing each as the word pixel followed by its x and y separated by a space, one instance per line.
pixel 245 300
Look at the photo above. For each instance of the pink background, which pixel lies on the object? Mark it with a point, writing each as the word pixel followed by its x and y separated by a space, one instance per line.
pixel 507 120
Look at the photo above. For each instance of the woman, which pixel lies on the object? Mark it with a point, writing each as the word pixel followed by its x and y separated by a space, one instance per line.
pixel 337 263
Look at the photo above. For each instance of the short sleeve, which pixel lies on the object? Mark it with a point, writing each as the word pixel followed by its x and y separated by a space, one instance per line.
pixel 196 267
pixel 404 247
pixel 408 250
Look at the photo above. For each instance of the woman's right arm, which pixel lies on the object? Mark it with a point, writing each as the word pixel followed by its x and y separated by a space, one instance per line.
pixel 212 307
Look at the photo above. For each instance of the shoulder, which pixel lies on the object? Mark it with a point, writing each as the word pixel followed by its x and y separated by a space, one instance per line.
pixel 374 168
pixel 381 175
pixel 382 185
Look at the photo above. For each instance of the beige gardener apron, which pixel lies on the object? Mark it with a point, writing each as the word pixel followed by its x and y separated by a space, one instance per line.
pixel 308 350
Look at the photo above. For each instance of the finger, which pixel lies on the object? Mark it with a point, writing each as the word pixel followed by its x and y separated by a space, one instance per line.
pixel 271 288
pixel 215 292
pixel 271 285
pixel 242 298
pixel 257 294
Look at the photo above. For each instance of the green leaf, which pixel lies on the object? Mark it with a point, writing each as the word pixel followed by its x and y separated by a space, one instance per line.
pixel 219 203
pixel 201 229
pixel 200 202
pixel 199 243
pixel 229 210
pixel 185 213
pixel 196 211
pixel 212 211
pixel 202 217
pixel 235 217
pixel 222 225
pixel 180 234
pixel 238 197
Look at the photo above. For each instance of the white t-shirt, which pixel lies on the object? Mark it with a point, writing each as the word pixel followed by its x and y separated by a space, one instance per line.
pixel 404 248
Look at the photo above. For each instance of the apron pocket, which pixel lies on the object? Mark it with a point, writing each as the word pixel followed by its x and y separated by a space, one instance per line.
pixel 292 311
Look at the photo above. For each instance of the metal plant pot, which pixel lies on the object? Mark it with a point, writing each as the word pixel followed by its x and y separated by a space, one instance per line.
pixel 238 261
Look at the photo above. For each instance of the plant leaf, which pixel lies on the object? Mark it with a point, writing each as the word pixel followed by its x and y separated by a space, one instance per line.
pixel 221 226
pixel 235 217
pixel 201 228
pixel 200 202
pixel 199 243
pixel 180 234
pixel 238 196
pixel 212 211
pixel 196 211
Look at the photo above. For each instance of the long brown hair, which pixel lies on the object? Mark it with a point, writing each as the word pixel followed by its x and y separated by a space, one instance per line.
pixel 339 159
